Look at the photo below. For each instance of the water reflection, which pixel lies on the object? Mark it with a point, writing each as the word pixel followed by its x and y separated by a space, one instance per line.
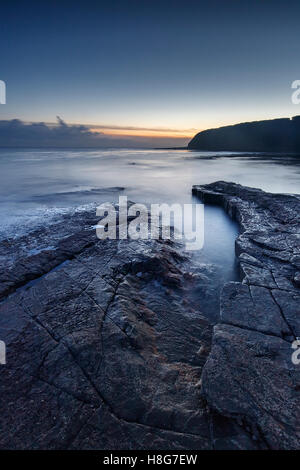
pixel 37 184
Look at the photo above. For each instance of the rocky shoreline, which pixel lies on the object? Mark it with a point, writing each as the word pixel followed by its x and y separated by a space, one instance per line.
pixel 122 344
pixel 249 374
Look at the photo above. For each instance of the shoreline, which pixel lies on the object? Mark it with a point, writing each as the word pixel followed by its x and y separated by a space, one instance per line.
pixel 146 315
pixel 259 316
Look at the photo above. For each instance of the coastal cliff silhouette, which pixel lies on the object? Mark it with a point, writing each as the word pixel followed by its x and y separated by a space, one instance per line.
pixel 276 135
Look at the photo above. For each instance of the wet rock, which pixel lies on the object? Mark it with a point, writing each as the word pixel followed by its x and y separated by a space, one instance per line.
pixel 113 345
pixel 106 342
pixel 297 279
pixel 249 374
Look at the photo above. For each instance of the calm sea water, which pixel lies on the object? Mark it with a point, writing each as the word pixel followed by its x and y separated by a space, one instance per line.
pixel 37 185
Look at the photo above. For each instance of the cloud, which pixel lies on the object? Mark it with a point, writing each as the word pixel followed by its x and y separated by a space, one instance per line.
pixel 148 129
pixel 17 133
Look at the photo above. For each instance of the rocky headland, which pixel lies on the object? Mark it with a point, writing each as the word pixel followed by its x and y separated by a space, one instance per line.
pixel 273 135
pixel 122 344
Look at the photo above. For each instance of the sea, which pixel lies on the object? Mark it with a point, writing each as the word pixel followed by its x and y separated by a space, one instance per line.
pixel 38 186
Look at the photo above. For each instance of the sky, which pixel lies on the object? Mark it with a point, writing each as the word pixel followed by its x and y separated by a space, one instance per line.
pixel 145 73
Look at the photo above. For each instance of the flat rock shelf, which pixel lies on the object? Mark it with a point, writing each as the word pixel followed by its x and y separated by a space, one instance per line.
pixel 121 344
pixel 249 374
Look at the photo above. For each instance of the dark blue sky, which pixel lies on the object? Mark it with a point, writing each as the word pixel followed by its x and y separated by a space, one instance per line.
pixel 174 65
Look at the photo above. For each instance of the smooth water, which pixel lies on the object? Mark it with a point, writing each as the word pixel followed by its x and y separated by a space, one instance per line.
pixel 38 185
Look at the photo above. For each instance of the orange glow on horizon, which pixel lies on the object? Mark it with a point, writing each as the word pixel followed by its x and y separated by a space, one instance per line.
pixel 145 133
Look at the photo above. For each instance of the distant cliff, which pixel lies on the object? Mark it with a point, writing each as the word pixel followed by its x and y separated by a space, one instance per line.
pixel 276 135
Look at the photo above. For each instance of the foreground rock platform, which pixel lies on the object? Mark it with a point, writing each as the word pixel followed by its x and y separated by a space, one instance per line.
pixel 106 342
pixel 122 345
pixel 249 374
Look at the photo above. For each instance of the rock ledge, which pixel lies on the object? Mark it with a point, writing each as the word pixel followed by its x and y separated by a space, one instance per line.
pixel 249 374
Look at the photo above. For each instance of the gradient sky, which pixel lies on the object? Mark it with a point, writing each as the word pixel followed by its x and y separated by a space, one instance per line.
pixel 149 68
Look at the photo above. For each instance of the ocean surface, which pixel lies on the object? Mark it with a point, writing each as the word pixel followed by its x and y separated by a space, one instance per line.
pixel 38 185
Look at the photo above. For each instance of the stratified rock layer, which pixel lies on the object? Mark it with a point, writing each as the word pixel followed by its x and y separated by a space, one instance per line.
pixel 249 374
pixel 106 342
pixel 119 344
